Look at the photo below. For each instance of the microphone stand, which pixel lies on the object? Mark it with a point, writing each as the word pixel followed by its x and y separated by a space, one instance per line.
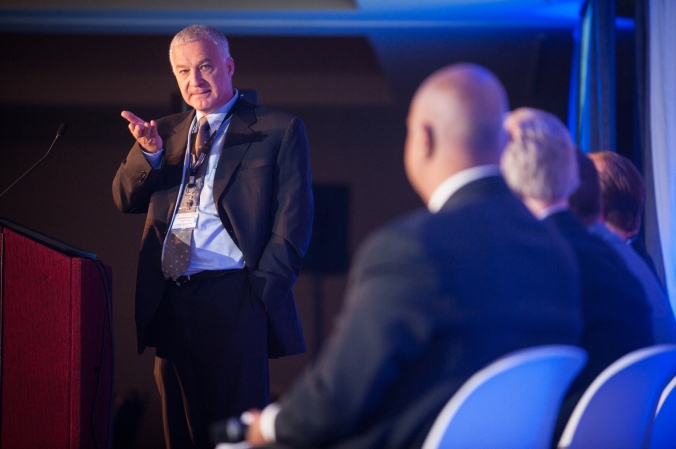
pixel 59 133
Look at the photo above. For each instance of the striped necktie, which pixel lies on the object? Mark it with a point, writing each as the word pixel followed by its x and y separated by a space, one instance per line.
pixel 176 256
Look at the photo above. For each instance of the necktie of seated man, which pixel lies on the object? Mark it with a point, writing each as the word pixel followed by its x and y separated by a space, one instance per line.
pixel 176 258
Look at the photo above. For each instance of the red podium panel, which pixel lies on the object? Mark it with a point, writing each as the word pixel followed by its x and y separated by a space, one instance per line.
pixel 56 339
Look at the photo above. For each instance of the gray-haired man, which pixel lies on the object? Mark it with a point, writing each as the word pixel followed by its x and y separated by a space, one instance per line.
pixel 540 166
pixel 227 192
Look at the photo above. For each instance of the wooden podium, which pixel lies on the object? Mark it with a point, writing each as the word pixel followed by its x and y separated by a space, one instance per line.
pixel 56 371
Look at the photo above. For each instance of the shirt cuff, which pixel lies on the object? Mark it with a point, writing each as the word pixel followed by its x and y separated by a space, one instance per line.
pixel 154 159
pixel 267 421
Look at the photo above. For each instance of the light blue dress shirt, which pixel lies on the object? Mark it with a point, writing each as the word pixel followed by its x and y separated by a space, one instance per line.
pixel 211 247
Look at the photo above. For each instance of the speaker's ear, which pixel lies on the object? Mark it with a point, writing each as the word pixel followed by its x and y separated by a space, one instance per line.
pixel 430 142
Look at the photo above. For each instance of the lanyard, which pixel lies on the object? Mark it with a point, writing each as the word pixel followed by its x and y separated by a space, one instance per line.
pixel 196 161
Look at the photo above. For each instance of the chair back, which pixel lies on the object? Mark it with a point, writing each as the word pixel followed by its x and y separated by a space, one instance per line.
pixel 618 407
pixel 511 403
pixel 664 428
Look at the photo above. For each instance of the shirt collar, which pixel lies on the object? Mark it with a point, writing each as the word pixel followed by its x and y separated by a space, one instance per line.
pixel 460 179
pixel 551 210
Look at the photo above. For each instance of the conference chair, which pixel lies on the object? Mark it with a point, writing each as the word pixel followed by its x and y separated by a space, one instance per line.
pixel 511 403
pixel 618 407
pixel 664 427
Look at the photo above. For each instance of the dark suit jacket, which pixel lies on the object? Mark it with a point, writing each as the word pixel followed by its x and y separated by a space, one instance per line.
pixel 263 192
pixel 432 299
pixel 617 315
pixel 639 246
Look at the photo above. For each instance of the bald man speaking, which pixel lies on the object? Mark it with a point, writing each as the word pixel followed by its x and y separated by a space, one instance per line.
pixel 437 295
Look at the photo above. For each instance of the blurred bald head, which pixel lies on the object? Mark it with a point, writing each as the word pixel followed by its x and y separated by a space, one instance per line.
pixel 454 123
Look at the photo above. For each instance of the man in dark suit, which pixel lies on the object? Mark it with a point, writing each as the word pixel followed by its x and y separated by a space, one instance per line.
pixel 434 297
pixel 585 203
pixel 622 200
pixel 540 165
pixel 227 192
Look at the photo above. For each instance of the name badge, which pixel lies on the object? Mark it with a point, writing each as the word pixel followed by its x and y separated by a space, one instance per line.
pixel 185 220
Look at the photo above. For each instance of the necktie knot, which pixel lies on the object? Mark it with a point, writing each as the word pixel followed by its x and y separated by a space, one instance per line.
pixel 203 133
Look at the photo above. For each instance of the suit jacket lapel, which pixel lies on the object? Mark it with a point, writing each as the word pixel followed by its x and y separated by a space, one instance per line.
pixel 238 138
pixel 177 142
pixel 174 152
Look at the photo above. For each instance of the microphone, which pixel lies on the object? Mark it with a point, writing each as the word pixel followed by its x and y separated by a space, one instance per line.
pixel 61 131
pixel 231 430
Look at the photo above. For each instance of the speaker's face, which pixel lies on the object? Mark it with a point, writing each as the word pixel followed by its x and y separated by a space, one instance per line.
pixel 203 75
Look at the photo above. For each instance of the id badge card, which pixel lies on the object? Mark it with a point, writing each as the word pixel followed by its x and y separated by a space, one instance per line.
pixel 186 216
pixel 185 220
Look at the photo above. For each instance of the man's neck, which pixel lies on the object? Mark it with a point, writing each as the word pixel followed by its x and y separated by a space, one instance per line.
pixel 543 209
pixel 622 233
pixel 453 183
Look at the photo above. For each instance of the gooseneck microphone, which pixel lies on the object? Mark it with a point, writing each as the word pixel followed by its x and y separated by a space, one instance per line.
pixel 59 133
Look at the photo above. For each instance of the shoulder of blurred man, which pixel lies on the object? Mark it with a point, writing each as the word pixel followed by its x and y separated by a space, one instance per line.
pixel 604 273
pixel 664 324
pixel 616 312
pixel 638 245
pixel 431 299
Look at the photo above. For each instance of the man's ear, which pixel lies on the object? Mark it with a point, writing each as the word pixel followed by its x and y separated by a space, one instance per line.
pixel 230 65
pixel 430 142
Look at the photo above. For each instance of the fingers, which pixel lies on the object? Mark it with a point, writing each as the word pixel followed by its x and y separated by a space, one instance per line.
pixel 143 129
pixel 137 130
pixel 150 130
pixel 131 117
pixel 145 133
pixel 137 126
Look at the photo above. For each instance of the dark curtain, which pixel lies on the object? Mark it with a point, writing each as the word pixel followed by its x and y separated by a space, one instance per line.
pixel 591 117
pixel 642 108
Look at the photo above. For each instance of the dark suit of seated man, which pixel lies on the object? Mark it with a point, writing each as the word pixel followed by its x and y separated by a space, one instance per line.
pixel 540 165
pixel 437 295
pixel 623 200
pixel 585 203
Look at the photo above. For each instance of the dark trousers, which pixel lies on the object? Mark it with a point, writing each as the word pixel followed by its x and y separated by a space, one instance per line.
pixel 211 356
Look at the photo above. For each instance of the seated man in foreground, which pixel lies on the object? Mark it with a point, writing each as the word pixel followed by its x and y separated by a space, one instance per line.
pixel 436 296
pixel 540 165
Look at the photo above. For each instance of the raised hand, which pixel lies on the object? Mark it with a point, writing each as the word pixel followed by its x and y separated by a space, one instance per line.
pixel 145 133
